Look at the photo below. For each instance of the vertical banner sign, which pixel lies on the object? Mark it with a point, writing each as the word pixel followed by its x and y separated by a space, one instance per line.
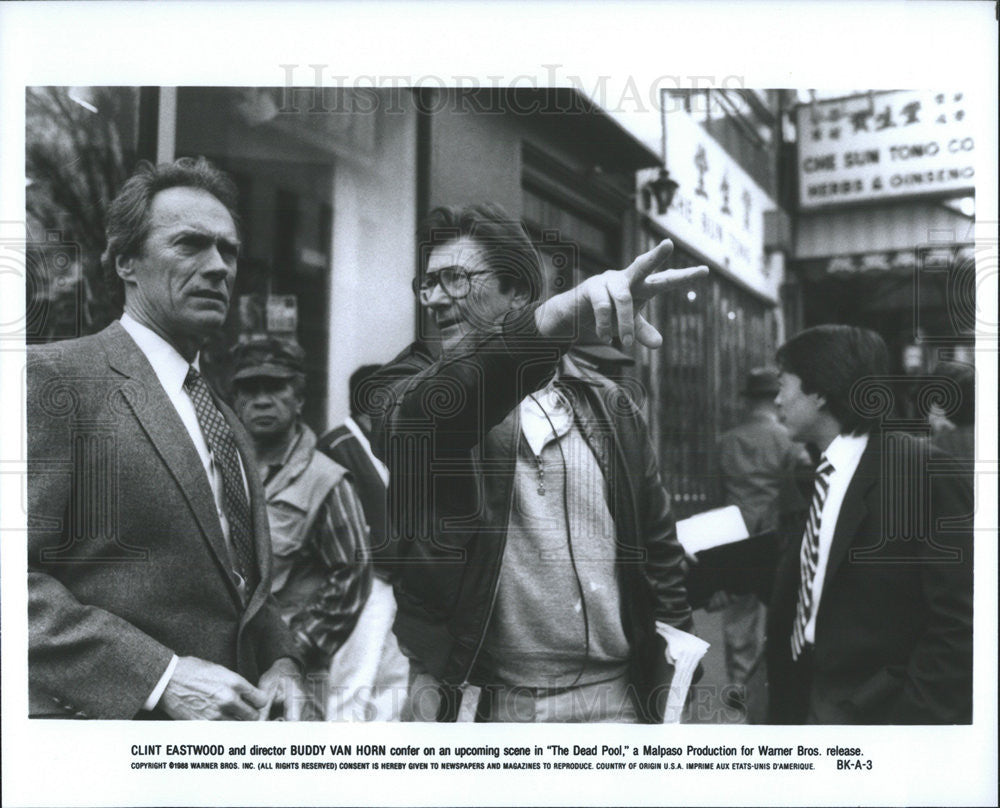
pixel 884 146
pixel 718 209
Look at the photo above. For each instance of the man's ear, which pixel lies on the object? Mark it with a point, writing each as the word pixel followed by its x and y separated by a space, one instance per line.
pixel 521 296
pixel 124 267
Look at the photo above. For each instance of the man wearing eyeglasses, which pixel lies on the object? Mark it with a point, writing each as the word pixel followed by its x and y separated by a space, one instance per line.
pixel 532 540
pixel 461 290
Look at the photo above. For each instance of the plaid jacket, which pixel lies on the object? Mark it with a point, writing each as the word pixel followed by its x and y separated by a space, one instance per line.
pixel 322 570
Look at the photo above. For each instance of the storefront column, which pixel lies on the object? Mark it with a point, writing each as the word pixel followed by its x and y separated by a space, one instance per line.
pixel 166 125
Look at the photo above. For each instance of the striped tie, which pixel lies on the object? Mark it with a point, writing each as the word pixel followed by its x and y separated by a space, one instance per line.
pixel 221 442
pixel 809 556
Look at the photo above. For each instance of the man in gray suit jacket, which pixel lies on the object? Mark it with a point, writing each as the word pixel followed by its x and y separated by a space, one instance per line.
pixel 149 554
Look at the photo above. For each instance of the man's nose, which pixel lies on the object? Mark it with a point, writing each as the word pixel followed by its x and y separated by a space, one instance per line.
pixel 436 297
pixel 216 266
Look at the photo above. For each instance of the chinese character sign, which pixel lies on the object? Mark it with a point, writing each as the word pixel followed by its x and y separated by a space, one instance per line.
pixel 885 145
pixel 718 209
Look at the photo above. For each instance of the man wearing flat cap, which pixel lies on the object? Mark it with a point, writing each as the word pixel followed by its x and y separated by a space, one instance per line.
pixel 321 568
pixel 757 465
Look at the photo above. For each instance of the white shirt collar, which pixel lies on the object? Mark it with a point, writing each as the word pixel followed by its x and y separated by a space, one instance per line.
pixel 540 413
pixel 170 367
pixel 844 451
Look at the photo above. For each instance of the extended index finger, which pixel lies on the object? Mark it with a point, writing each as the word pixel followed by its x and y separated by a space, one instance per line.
pixel 669 277
pixel 649 262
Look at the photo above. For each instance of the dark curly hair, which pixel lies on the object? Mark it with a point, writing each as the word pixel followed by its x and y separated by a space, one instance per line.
pixel 503 238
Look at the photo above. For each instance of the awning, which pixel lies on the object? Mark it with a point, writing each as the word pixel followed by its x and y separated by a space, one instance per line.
pixel 564 110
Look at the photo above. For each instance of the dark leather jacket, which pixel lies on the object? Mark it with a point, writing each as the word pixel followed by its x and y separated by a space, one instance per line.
pixel 449 503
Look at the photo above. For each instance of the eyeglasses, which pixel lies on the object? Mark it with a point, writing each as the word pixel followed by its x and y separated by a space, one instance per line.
pixel 456 282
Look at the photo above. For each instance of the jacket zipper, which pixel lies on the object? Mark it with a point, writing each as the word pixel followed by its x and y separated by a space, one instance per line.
pixel 496 579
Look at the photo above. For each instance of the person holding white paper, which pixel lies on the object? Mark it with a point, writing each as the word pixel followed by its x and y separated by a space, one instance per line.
pixel 757 462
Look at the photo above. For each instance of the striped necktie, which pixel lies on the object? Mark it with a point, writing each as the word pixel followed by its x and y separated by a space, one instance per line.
pixel 809 556
pixel 222 444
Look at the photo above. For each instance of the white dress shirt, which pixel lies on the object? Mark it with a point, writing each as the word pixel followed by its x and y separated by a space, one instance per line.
pixel 844 454
pixel 171 369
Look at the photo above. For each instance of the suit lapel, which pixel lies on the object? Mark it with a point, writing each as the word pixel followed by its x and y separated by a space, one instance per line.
pixel 149 403
pixel 855 506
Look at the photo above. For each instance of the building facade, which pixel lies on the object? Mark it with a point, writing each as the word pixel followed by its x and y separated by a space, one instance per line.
pixel 333 184
pixel 842 210
pixel 884 195
pixel 721 147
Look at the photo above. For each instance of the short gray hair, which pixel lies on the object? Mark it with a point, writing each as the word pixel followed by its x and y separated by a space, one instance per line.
pixel 128 214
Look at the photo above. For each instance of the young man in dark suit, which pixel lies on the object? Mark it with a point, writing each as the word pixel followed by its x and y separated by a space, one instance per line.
pixel 871 614
pixel 148 546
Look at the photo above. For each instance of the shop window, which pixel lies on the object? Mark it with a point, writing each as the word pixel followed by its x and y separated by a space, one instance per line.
pixel 573 209
pixel 576 226
pixel 286 217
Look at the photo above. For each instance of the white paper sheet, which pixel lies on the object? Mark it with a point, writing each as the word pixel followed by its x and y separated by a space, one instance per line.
pixel 685 652
pixel 709 529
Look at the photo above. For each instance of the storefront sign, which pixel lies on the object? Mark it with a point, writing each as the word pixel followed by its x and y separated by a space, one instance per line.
pixel 921 259
pixel 718 209
pixel 883 146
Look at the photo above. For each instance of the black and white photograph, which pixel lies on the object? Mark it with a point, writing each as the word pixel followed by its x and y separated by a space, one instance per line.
pixel 396 399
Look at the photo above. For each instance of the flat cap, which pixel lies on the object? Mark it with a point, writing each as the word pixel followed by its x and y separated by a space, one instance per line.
pixel 273 357
pixel 762 382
